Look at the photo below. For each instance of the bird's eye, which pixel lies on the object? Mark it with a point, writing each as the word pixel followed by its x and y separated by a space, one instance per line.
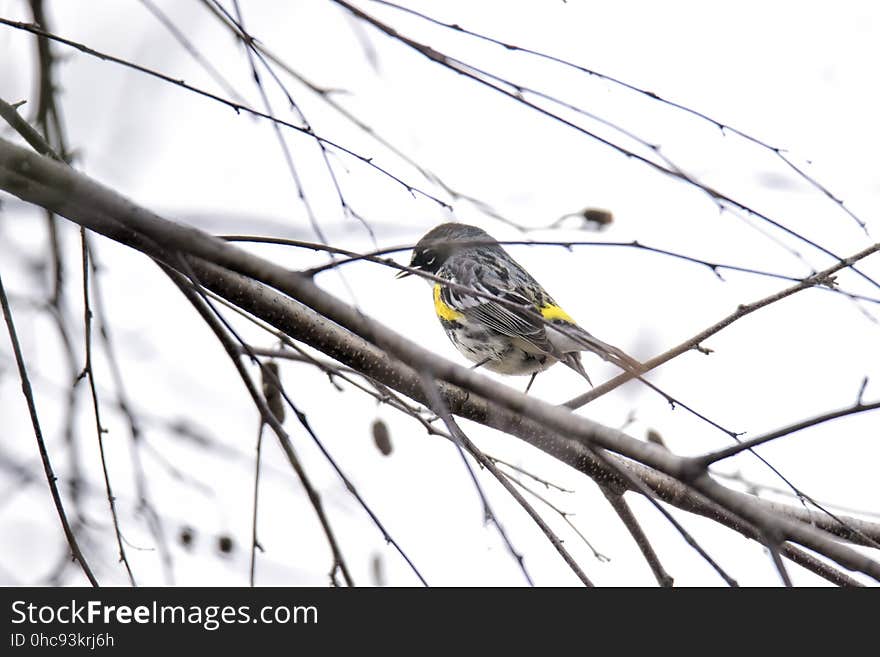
pixel 430 261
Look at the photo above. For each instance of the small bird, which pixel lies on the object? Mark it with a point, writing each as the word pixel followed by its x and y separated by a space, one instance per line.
pixel 495 313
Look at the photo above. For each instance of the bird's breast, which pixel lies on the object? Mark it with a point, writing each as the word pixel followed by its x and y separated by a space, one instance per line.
pixel 444 311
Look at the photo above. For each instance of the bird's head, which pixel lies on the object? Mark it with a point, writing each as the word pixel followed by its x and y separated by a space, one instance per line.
pixel 443 241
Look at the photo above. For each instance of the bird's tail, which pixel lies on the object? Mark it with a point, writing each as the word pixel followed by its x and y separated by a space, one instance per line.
pixel 605 351
pixel 573 360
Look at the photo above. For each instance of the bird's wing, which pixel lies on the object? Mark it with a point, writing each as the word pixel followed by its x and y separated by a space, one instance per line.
pixel 557 334
pixel 514 318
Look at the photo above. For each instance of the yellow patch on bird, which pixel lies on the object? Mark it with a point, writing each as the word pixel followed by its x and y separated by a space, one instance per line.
pixel 444 311
pixel 552 312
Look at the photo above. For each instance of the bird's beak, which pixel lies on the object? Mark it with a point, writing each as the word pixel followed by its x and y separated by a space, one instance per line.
pixel 403 274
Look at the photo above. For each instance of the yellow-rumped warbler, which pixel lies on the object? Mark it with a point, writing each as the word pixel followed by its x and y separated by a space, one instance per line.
pixel 526 332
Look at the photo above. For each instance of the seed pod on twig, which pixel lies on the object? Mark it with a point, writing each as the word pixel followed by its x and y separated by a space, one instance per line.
pixel 382 437
pixel 186 537
pixel 225 544
pixel 378 569
pixel 597 217
pixel 594 219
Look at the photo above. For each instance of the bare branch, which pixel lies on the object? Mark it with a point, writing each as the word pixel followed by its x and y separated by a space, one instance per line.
pixel 632 525
pixel 238 107
pixel 820 278
pixel 706 460
pixel 513 91
pixel 88 372
pixel 724 127
pixel 440 407
pixel 207 315
pixel 41 445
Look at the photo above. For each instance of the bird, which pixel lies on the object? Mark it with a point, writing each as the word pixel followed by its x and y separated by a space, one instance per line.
pixel 495 313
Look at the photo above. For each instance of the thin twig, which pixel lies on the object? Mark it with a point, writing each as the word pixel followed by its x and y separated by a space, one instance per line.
pixel 514 93
pixel 255 543
pixel 276 129
pixel 635 529
pixel 236 25
pixel 530 475
pixel 89 373
pixel 773 548
pixel 194 52
pixel 706 460
pixel 208 316
pixel 124 406
pixel 238 107
pixel 566 517
pixel 41 445
pixel 756 489
pixel 724 127
pixel 271 377
pixel 820 278
pixel 463 442
pixel 10 114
